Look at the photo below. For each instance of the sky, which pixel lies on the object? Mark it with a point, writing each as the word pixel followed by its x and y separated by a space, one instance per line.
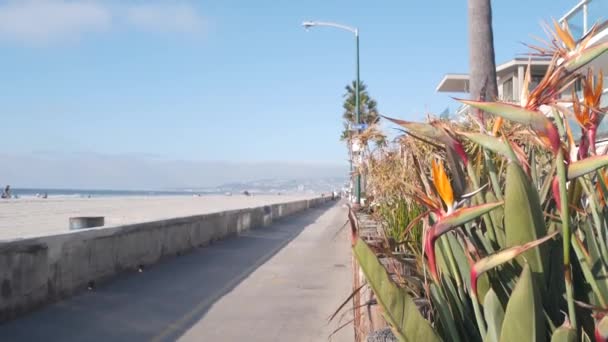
pixel 224 80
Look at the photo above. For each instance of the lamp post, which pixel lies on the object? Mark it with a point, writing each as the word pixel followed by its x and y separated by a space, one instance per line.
pixel 309 24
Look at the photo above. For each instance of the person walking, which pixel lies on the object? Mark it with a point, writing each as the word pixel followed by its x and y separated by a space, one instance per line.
pixel 7 192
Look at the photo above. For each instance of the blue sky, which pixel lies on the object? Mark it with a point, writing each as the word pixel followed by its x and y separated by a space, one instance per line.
pixel 226 79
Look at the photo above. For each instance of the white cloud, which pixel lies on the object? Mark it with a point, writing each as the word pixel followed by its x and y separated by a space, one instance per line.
pixel 165 17
pixel 42 22
pixel 46 21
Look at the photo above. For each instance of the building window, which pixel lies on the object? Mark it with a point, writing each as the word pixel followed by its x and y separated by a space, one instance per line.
pixel 507 90
pixel 578 86
pixel 534 82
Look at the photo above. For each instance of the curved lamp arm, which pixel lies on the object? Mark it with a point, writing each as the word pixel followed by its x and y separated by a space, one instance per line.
pixel 309 24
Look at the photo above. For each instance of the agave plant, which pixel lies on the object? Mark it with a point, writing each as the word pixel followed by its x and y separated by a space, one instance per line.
pixel 515 231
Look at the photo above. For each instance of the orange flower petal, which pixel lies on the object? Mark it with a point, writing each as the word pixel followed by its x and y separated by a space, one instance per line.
pixel 564 35
pixel 579 112
pixel 442 184
pixel 569 134
pixel 497 125
pixel 599 87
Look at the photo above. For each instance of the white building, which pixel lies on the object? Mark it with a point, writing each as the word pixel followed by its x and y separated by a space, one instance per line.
pixel 510 75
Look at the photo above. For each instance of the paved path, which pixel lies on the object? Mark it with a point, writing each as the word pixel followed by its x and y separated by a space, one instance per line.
pixel 279 283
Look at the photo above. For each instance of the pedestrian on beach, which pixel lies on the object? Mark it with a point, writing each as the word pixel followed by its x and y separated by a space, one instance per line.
pixel 7 192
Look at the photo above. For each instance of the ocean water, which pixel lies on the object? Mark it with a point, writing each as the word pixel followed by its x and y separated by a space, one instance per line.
pixel 84 193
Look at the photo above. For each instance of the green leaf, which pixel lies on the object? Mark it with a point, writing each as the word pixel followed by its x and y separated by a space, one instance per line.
pixel 586 165
pixel 462 216
pixel 494 313
pixel 447 320
pixel 462 312
pixel 424 129
pixel 443 262
pixel 524 220
pixel 564 334
pixel 592 276
pixel 554 281
pixel 400 310
pixel 497 217
pixel 445 224
pixel 585 337
pixel 485 264
pixel 435 134
pixel 546 187
pixel 523 317
pixel 585 56
pixel 536 120
pixel 603 185
pixel 460 258
pixel 595 259
pixel 493 144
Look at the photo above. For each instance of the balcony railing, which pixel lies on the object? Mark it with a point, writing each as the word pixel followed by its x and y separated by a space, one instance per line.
pixel 584 15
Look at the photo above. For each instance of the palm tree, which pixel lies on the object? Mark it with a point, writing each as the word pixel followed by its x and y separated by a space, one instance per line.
pixel 368 108
pixel 482 82
pixel 368 114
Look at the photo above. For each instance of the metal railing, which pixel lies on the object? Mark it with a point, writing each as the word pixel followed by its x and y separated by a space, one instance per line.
pixel 581 6
pixel 584 15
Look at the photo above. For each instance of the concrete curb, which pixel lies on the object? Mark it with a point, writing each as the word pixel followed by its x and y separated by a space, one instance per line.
pixel 40 270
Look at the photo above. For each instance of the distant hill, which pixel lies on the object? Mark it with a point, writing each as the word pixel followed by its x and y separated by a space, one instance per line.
pixel 134 171
pixel 285 186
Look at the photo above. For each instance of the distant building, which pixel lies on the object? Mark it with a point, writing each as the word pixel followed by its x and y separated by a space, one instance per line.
pixel 510 78
pixel 510 75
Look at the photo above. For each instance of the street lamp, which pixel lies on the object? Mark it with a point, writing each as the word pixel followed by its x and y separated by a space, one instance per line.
pixel 309 24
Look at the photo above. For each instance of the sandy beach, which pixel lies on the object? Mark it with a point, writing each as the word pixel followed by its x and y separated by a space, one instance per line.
pixel 20 218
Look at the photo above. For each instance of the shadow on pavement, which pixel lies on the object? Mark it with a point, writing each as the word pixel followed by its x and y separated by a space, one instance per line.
pixel 165 299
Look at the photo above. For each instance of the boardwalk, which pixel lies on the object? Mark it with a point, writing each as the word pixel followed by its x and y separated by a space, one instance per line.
pixel 279 283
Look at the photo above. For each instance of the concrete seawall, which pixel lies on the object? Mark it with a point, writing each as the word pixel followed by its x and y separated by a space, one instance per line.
pixel 36 271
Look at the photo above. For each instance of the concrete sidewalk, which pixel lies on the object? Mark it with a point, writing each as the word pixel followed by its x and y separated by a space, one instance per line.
pixel 278 283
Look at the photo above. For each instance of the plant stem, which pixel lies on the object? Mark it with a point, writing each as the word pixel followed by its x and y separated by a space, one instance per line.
pixel 593 204
pixel 478 316
pixel 561 173
pixel 578 249
pixel 451 261
pixel 480 200
pixel 493 176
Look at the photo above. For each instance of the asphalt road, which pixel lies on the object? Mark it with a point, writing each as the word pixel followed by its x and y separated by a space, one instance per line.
pixel 278 283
